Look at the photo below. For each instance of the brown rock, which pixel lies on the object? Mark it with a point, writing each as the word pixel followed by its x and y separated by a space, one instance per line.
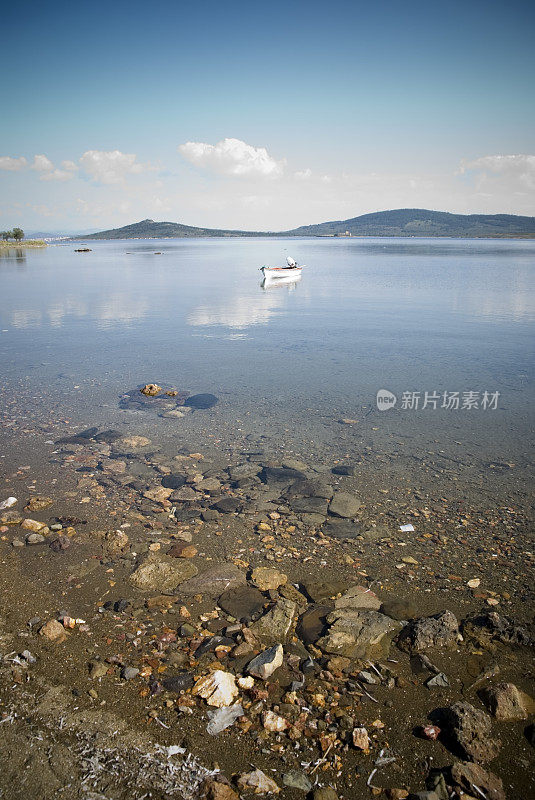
pixel 158 495
pixel 469 775
pixel 506 702
pixel 151 390
pixel 38 502
pixel 216 790
pixel 34 526
pixel 182 550
pixel 53 631
pixel 267 578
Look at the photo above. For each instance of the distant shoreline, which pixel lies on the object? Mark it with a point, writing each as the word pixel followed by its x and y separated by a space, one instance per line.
pixel 79 239
pixel 25 243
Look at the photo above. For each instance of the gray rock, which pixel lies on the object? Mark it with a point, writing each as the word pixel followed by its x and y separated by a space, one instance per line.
pixel 344 505
pixel 242 602
pixel 243 471
pixel 309 505
pixel 309 488
pixel 295 779
pixel 357 633
pixel 281 475
pixel 162 574
pixel 173 481
pixel 178 683
pixel 35 538
pixel 265 664
pixel 469 730
pixel 214 581
pixel 439 681
pixel 227 505
pixel 344 469
pixel 197 401
pixel 491 625
pixel 127 673
pixel 439 630
pixel 341 529
pixel 274 626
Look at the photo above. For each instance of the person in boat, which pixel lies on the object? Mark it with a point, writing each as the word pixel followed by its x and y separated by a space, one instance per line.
pixel 291 263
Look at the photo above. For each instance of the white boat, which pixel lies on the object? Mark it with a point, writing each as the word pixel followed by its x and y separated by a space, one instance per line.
pixel 293 270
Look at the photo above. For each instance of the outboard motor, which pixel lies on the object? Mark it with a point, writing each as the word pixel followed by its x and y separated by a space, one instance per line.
pixel 291 262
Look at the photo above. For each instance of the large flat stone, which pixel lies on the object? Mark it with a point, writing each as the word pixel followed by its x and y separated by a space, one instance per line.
pixel 214 581
pixel 162 574
pixel 357 633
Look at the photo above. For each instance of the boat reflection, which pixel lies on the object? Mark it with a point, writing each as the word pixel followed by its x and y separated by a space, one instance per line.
pixel 288 280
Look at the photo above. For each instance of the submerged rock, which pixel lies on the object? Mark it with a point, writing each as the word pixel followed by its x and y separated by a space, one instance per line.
pixel 214 581
pixel 242 602
pixel 344 505
pixel 162 573
pixel 358 597
pixel 355 633
pixel 201 401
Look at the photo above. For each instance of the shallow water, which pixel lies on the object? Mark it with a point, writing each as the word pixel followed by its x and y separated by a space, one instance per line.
pixel 287 361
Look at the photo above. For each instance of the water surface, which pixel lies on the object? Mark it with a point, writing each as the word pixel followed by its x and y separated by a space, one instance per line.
pixel 287 362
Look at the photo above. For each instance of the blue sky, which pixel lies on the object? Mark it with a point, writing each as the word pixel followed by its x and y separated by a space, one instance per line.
pixel 264 116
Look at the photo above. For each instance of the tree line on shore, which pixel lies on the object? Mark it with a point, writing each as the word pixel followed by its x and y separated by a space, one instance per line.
pixel 17 234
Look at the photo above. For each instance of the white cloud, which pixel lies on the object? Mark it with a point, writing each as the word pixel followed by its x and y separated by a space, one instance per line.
pixel 518 171
pixel 42 164
pixel 12 164
pixel 58 175
pixel 303 174
pixel 111 166
pixel 233 157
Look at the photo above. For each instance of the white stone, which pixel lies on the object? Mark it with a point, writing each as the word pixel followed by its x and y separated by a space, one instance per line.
pixel 218 689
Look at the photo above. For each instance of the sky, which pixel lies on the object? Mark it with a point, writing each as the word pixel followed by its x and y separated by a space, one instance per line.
pixel 263 116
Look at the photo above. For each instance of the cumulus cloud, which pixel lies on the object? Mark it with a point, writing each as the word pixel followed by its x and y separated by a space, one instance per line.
pixel 12 164
pixel 303 174
pixel 111 166
pixel 42 164
pixel 517 170
pixel 233 157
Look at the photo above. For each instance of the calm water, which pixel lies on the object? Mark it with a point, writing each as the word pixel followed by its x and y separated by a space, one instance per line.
pixel 79 329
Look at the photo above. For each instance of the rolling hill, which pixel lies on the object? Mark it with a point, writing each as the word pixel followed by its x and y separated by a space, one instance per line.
pixel 409 222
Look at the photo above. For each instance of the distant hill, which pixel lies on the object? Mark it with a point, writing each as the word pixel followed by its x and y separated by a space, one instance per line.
pixel 148 229
pixel 420 222
pixel 401 222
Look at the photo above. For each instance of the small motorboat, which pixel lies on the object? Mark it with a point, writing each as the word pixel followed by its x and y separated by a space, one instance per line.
pixel 293 270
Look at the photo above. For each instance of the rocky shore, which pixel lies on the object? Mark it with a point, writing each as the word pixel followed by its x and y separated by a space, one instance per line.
pixel 175 625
